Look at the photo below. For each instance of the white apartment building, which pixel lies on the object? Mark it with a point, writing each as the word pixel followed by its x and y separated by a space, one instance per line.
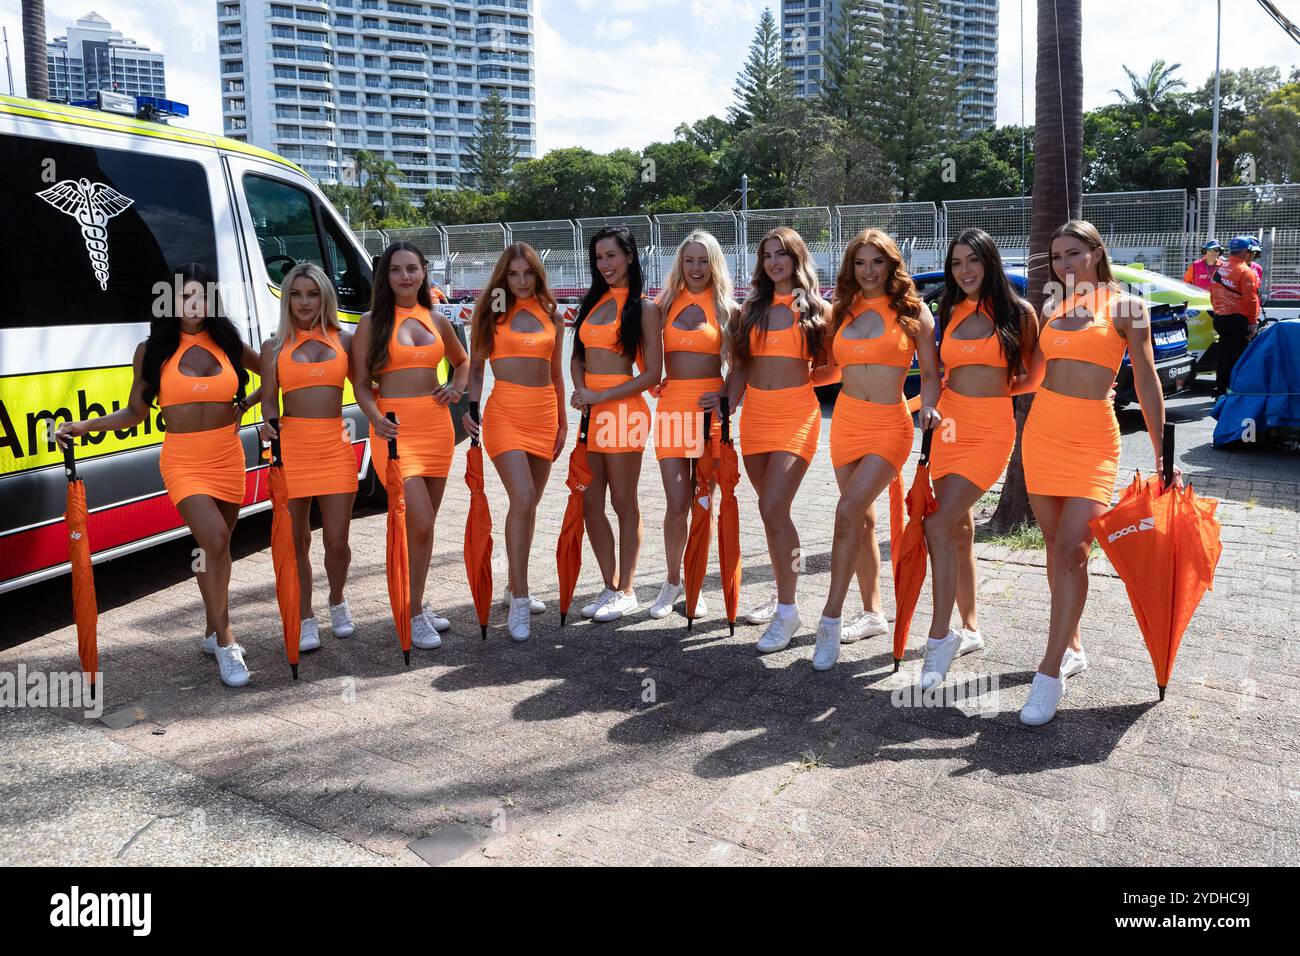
pixel 318 81
pixel 806 24
pixel 93 56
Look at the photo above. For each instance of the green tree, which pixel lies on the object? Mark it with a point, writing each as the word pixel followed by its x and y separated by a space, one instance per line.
pixel 765 86
pixel 969 169
pixel 709 134
pixel 1150 92
pixel 1271 139
pixel 571 183
pixel 452 207
pixel 494 150
pixel 381 192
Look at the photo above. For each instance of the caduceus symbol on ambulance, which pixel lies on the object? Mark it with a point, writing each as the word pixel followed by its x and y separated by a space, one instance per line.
pixel 92 205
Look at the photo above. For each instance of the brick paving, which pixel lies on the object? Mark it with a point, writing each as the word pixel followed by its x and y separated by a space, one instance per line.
pixel 640 743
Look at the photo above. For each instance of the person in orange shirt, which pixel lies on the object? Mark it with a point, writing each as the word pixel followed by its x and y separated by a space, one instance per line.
pixel 1234 299
pixel 436 294
pixel 1201 272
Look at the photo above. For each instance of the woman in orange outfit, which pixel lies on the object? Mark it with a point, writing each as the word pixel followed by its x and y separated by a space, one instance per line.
pixel 524 421
pixel 196 366
pixel 986 335
pixel 615 324
pixel 779 335
pixel 399 345
pixel 1071 438
pixel 697 307
pixel 878 324
pixel 307 362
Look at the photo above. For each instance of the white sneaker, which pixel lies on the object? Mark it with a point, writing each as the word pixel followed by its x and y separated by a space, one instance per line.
pixel 1045 695
pixel 938 658
pixel 970 641
pixel 423 633
pixel 209 645
pixel 520 614
pixel 701 609
pixel 1073 662
pixel 669 594
pixel 866 624
pixel 605 595
pixel 341 620
pixel 615 608
pixel 764 613
pixel 779 633
pixel 436 622
pixel 534 606
pixel 309 635
pixel 230 662
pixel 828 645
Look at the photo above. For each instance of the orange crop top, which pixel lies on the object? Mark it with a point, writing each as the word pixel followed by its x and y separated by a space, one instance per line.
pixel 705 340
pixel 507 343
pixel 605 336
pixel 1098 343
pixel 292 374
pixel 955 352
pixel 413 356
pixel 781 343
pixel 177 388
pixel 894 347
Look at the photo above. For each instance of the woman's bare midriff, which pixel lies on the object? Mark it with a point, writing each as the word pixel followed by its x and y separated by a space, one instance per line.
pixel 1077 379
pixel 314 401
pixel 605 362
pixel 882 384
pixel 408 383
pixel 979 381
pixel 685 365
pixel 522 370
pixel 771 372
pixel 198 416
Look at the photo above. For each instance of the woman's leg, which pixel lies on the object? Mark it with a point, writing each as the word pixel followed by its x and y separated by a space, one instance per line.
pixel 541 471
pixel 1047 511
pixel 963 543
pixel 336 521
pixel 1071 544
pixel 599 532
pixel 678 489
pixel 860 483
pixel 300 514
pixel 956 496
pixel 868 564
pixel 782 476
pixel 423 496
pixel 624 474
pixel 211 522
pixel 515 474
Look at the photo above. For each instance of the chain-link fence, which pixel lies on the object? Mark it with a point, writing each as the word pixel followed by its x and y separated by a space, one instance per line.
pixel 902 220
pixel 813 223
pixel 1118 214
pixel 1007 220
pixel 673 228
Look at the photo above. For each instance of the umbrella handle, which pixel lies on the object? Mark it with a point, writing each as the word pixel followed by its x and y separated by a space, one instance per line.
pixel 927 438
pixel 69 461
pixel 726 418
pixel 275 442
pixel 473 413
pixel 708 427
pixel 1167 454
pixel 583 425
pixel 392 442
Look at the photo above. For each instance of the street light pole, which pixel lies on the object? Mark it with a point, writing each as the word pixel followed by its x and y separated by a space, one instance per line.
pixel 1214 134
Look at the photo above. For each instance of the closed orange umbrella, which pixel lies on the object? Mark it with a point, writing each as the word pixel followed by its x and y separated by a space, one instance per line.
pixel 478 532
pixel 568 550
pixel 728 519
pixel 85 611
pixel 907 550
pixel 283 556
pixel 1164 543
pixel 696 559
pixel 398 564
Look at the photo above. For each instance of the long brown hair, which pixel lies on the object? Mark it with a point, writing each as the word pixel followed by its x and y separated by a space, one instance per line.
pixel 483 324
pixel 1008 308
pixel 1088 234
pixel 383 305
pixel 754 310
pixel 900 288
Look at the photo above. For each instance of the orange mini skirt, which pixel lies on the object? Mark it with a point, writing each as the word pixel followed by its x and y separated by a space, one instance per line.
pixel 860 428
pixel 426 439
pixel 975 438
pixel 781 419
pixel 619 426
pixel 209 463
pixel 679 420
pixel 318 458
pixel 1071 447
pixel 520 418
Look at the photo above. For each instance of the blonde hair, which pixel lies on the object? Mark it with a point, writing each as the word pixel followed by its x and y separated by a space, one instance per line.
pixel 724 302
pixel 328 317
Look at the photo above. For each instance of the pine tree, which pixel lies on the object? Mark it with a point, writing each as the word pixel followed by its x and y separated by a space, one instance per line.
pixel 765 86
pixel 494 150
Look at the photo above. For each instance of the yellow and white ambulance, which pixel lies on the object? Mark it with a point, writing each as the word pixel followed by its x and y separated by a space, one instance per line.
pixel 96 209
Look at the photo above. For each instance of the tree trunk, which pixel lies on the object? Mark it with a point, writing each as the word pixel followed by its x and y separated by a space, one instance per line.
pixel 1057 197
pixel 34 41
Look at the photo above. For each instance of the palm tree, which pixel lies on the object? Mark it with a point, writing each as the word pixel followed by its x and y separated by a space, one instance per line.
pixel 378 177
pixel 1058 192
pixel 34 40
pixel 1148 93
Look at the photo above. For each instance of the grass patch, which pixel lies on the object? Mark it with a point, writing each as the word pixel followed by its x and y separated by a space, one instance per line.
pixel 987 500
pixel 1028 537
pixel 808 761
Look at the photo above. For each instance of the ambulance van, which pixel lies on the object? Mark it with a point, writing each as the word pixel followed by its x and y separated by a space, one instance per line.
pixel 96 209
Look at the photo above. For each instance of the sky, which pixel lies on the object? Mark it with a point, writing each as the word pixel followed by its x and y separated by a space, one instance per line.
pixel 625 73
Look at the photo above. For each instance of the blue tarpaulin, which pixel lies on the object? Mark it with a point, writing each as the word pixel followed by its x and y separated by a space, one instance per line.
pixel 1265 388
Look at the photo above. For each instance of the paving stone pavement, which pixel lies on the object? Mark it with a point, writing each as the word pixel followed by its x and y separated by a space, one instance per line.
pixel 639 742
